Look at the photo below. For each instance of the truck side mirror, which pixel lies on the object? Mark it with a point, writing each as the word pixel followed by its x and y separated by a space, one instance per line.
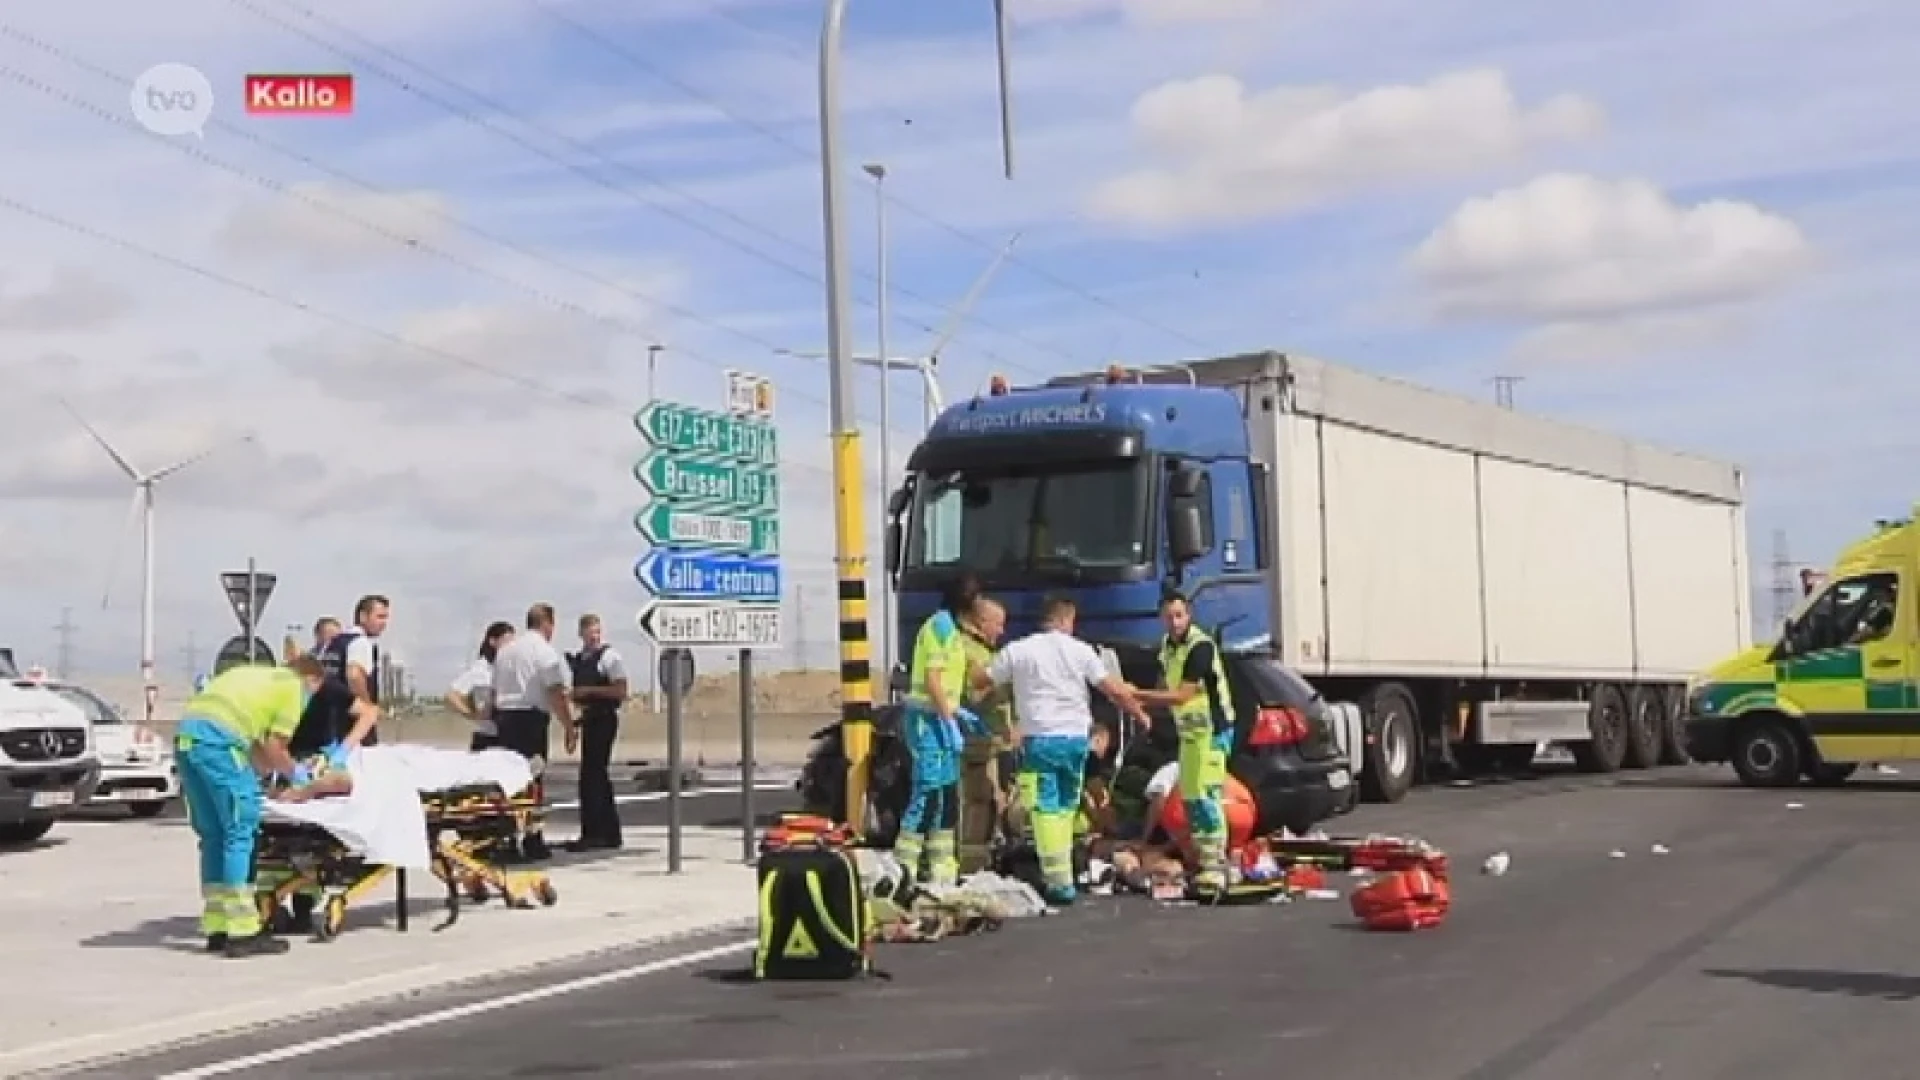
pixel 892 544
pixel 1186 536
pixel 1185 482
pixel 897 502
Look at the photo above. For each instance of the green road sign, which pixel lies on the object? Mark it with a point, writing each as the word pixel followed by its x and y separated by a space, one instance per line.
pixel 665 525
pixel 714 485
pixel 683 429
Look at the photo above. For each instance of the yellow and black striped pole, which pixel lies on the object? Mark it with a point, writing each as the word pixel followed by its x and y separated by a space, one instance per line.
pixel 850 530
pixel 849 525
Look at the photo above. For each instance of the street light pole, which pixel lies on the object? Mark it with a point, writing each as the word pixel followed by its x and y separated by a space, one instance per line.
pixel 849 531
pixel 888 633
pixel 653 651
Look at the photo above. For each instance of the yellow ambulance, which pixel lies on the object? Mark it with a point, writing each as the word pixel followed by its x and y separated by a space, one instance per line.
pixel 1838 689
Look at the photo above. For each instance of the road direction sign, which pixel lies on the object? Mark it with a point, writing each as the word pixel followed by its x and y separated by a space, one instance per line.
pixel 235 652
pixel 683 429
pixel 687 624
pixel 666 526
pixel 706 575
pixel 749 395
pixel 248 593
pixel 715 485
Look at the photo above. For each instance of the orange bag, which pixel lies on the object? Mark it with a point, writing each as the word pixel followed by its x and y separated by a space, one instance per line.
pixel 1404 900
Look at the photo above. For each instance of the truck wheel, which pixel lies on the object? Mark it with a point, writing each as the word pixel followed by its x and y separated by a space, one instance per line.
pixel 1646 723
pixel 1393 738
pixel 1673 732
pixel 1606 746
pixel 152 808
pixel 22 833
pixel 1765 754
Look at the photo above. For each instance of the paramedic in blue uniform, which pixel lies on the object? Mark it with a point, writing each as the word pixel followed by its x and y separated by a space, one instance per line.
pixel 599 689
pixel 530 691
pixel 931 724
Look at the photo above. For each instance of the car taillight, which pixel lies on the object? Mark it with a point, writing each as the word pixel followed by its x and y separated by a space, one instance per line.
pixel 143 736
pixel 1274 726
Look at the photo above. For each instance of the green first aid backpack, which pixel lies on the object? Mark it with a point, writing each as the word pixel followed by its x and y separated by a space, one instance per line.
pixel 814 919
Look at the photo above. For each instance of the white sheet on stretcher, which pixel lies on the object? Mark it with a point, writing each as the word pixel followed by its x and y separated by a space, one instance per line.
pixel 382 821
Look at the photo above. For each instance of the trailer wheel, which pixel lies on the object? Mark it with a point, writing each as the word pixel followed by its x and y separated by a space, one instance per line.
pixel 1673 733
pixel 1606 747
pixel 1646 723
pixel 1393 739
pixel 1766 754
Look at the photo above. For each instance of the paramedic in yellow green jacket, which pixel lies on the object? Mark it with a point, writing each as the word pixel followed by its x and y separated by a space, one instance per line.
pixel 1193 684
pixel 235 728
pixel 930 727
pixel 980 782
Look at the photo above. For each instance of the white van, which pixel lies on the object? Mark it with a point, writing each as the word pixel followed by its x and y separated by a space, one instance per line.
pixel 48 765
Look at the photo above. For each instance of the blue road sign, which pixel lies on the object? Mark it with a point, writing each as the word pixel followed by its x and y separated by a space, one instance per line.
pixel 706 575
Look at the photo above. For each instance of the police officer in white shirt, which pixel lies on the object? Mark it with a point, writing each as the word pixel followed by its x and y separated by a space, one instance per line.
pixel 472 693
pixel 1053 675
pixel 531 689
pixel 599 689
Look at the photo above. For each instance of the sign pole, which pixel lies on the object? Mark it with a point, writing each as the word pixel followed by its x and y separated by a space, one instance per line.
pixel 746 757
pixel 671 668
pixel 253 590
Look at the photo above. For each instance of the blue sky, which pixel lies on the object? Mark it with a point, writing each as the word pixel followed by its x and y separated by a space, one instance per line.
pixel 1723 266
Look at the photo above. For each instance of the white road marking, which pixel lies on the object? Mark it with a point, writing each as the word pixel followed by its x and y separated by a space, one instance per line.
pixel 456 1012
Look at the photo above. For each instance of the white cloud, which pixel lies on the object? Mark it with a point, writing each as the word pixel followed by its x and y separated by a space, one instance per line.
pixel 1568 248
pixel 69 300
pixel 1234 155
pixel 318 226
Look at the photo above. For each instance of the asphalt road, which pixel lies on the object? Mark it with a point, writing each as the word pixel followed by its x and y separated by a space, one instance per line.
pixel 1774 940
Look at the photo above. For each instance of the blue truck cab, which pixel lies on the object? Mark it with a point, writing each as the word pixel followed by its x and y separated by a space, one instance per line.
pixel 1103 488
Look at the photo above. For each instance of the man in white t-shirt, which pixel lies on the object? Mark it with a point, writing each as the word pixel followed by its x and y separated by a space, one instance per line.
pixel 1053 675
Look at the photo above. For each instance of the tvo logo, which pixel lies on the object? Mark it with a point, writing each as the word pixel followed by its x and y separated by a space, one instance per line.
pixel 172 99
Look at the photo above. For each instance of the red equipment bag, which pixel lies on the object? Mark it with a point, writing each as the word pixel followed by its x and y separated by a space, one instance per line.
pixel 1404 900
pixel 804 830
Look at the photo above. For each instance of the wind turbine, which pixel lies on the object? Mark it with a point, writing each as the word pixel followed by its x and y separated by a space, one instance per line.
pixel 928 365
pixel 142 505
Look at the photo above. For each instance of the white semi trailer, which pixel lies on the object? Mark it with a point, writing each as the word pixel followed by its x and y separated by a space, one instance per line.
pixel 1482 580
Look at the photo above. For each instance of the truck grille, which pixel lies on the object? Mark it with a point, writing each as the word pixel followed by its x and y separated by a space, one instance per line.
pixel 43 744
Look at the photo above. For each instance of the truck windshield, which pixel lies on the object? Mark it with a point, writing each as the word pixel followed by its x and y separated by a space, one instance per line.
pixel 1063 517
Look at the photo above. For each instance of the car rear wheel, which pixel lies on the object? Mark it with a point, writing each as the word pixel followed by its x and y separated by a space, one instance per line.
pixel 150 809
pixel 1766 754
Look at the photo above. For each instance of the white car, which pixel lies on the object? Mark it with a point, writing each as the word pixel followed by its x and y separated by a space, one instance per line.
pixel 136 764
pixel 47 763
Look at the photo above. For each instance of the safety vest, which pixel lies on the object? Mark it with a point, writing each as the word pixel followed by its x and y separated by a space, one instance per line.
pixel 1215 702
pixel 939 644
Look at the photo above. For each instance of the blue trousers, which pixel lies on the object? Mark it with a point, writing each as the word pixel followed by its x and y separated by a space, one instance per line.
pixel 1052 773
pixel 223 805
pixel 927 829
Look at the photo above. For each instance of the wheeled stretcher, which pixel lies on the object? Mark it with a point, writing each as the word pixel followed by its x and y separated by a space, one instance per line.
pixel 469 829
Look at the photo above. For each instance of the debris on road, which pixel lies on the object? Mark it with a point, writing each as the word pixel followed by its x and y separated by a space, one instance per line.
pixel 1496 864
pixel 1660 849
pixel 1796 806
pixel 1616 853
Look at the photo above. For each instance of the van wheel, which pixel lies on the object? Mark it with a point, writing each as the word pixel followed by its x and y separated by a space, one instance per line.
pixel 1673 733
pixel 1392 751
pixel 1766 755
pixel 1646 722
pixel 1825 775
pixel 1606 747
